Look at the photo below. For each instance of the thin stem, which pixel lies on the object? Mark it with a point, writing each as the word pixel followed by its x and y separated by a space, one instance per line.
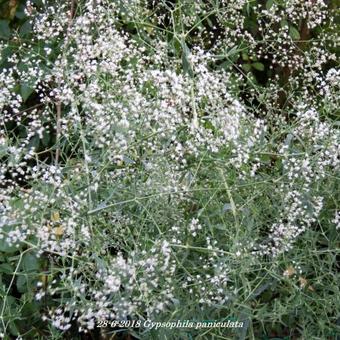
pixel 72 12
pixel 57 154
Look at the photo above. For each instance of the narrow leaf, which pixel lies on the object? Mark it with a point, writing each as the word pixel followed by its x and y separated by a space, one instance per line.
pixel 258 66
pixel 294 33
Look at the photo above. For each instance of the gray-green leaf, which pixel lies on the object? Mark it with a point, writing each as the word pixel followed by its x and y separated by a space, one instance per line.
pixel 5 31
pixel 294 33
pixel 25 91
pixel 258 66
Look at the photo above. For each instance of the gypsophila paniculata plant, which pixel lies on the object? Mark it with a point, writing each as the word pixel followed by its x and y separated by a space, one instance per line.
pixel 169 160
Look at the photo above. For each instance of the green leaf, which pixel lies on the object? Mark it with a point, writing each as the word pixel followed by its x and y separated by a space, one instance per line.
pixel 6 248
pixel 30 308
pixel 25 91
pixel 258 66
pixel 22 283
pixel 25 29
pixel 10 303
pixel 185 59
pixel 13 328
pixel 246 67
pixel 210 22
pixel 288 140
pixel 284 23
pixel 46 138
pixel 226 207
pixel 245 317
pixel 3 149
pixel 5 31
pixel 175 45
pixel 30 262
pixel 219 226
pixel 225 65
pixel 20 12
pixel 22 67
pixel 128 160
pixel 17 203
pixel 38 2
pixel 269 4
pixel 233 53
pixel 245 56
pixel 34 142
pixel 6 268
pixel 294 33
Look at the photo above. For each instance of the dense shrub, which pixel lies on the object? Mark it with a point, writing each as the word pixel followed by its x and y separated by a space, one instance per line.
pixel 169 160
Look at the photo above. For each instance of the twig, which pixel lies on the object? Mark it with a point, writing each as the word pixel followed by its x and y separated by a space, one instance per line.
pixel 72 12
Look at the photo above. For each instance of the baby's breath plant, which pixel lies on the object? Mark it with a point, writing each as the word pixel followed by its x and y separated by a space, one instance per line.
pixel 165 161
